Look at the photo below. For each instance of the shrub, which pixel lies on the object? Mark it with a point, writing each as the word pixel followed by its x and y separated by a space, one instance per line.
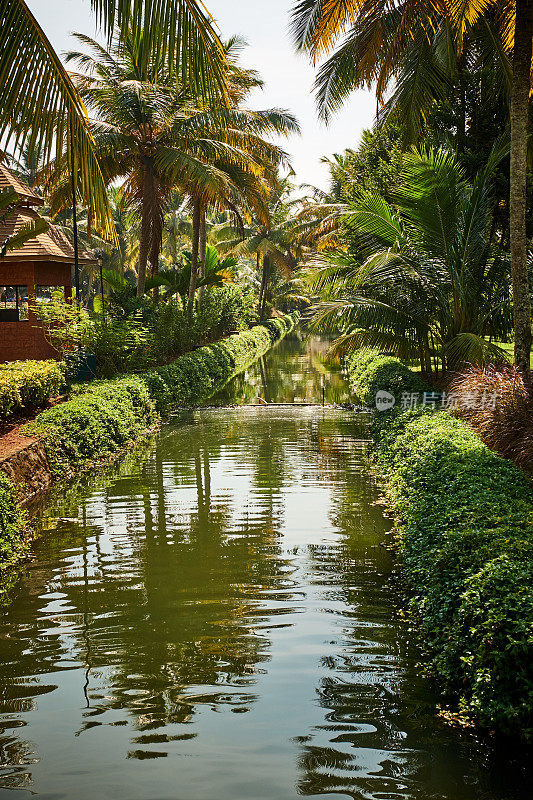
pixel 28 384
pixel 465 541
pixel 93 425
pixel 505 424
pixel 224 310
pixel 109 415
pixel 118 345
pixel 12 520
pixel 370 371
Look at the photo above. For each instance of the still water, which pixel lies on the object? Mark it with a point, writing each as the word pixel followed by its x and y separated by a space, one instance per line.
pixel 214 620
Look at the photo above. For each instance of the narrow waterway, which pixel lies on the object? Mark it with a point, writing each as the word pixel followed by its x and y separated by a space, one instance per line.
pixel 214 620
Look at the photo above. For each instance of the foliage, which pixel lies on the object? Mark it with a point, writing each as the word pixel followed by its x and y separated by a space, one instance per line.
pixel 269 239
pixel 370 371
pixel 122 345
pixel 28 384
pixel 111 415
pixel 12 541
pixel 465 539
pixel 375 166
pixel 422 278
pixel 93 425
pixel 154 135
pixel 62 322
pixel 505 425
pixel 33 78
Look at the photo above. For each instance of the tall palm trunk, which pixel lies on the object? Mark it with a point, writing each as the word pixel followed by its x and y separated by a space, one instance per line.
pixel 156 235
pixel 196 218
pixel 202 248
pixel 519 130
pixel 264 286
pixel 145 241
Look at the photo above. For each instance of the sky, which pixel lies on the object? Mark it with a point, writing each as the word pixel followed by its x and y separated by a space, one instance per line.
pixel 288 76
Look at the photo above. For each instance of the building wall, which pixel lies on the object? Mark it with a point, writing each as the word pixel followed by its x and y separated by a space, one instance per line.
pixel 25 339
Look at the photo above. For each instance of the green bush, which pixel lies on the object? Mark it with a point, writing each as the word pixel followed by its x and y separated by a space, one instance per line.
pixel 369 372
pixel 28 384
pixel 107 416
pixel 12 540
pixel 225 309
pixel 119 346
pixel 465 540
pixel 94 425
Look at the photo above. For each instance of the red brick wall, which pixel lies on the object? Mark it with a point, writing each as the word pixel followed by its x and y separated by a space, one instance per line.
pixel 25 339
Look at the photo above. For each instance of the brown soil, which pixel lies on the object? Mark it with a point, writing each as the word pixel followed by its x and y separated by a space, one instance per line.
pixel 12 439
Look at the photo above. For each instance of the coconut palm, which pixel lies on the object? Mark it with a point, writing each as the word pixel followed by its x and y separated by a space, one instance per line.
pixel 176 281
pixel 39 105
pixel 151 135
pixel 269 240
pixel 377 37
pixel 255 175
pixel 422 279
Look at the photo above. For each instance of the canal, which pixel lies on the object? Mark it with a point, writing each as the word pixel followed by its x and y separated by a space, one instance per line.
pixel 216 619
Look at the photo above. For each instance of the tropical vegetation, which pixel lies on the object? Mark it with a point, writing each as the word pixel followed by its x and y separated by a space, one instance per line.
pixel 464 536
pixel 415 262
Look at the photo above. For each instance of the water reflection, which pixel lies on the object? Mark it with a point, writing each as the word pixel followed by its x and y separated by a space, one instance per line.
pixel 294 373
pixel 213 620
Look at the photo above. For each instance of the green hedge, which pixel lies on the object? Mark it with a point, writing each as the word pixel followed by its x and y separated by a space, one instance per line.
pixel 13 544
pixel 465 539
pixel 28 383
pixel 370 372
pixel 109 415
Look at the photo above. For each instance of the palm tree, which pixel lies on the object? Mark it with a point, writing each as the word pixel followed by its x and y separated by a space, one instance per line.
pixel 377 37
pixel 269 240
pixel 255 174
pixel 153 136
pixel 41 108
pixel 177 281
pixel 423 279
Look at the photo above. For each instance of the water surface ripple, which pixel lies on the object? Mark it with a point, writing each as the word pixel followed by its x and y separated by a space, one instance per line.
pixel 213 620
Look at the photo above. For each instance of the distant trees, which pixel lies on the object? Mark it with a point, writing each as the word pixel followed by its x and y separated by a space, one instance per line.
pixel 422 52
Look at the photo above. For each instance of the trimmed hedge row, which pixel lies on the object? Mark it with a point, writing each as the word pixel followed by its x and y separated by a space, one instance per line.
pixel 109 415
pixel 28 383
pixel 370 372
pixel 465 540
pixel 13 543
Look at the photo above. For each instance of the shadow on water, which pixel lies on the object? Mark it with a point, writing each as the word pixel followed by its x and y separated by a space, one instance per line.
pixel 213 620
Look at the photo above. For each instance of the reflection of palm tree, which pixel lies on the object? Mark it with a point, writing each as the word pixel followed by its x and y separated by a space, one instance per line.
pixel 163 648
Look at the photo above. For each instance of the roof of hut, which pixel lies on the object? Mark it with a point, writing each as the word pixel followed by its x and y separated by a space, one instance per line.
pixel 52 245
pixel 8 180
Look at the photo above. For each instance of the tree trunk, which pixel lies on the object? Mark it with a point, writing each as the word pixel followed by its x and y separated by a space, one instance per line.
pixel 264 283
pixel 519 130
pixel 196 214
pixel 260 298
pixel 266 267
pixel 146 229
pixel 202 249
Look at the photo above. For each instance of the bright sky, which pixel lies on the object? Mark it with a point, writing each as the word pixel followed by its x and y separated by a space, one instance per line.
pixel 288 77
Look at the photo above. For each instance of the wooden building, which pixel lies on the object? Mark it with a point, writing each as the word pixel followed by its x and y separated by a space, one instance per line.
pixel 39 267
